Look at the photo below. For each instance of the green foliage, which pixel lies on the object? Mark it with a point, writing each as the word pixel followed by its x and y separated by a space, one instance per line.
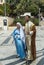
pixel 33 9
pixel 29 6
pixel 35 21
pixel 21 6
pixel 8 10
pixel 1 10
pixel 22 21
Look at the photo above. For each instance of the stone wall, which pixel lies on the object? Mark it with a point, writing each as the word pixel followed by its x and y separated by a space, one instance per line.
pixel 41 23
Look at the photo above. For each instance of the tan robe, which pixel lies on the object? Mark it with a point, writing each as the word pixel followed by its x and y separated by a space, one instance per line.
pixel 30 40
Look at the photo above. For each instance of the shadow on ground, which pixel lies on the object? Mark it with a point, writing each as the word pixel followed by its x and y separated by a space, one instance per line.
pixel 17 62
pixel 39 52
pixel 41 62
pixel 8 58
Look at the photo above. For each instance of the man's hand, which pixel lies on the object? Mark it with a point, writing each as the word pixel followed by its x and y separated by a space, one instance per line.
pixel 27 33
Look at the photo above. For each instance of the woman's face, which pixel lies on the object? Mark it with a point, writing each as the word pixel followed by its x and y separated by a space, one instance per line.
pixel 18 26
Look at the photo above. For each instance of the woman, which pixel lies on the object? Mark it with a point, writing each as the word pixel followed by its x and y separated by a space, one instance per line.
pixel 19 38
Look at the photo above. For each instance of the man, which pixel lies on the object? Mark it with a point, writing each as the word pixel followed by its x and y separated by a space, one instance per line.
pixel 30 32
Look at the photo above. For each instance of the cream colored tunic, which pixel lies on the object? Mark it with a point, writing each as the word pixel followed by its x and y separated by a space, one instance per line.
pixel 28 27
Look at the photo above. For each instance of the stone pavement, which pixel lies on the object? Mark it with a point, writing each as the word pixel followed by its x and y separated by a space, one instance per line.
pixel 8 49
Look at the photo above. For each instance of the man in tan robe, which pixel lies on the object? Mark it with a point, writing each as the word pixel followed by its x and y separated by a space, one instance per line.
pixel 30 32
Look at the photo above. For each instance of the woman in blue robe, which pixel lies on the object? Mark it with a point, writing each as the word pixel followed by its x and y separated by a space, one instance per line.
pixel 19 38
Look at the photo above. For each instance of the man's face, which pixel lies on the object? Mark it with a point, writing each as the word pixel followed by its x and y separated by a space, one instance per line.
pixel 26 18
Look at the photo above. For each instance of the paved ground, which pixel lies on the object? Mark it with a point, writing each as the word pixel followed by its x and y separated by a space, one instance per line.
pixel 8 50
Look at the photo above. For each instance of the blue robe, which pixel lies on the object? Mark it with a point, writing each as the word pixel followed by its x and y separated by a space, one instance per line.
pixel 20 47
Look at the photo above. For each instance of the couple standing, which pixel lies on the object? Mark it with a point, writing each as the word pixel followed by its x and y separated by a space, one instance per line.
pixel 25 39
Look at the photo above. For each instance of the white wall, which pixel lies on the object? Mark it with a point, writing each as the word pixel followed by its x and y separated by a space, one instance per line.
pixel 9 21
pixel 3 1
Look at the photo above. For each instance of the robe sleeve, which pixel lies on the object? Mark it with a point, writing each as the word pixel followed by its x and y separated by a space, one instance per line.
pixel 33 30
